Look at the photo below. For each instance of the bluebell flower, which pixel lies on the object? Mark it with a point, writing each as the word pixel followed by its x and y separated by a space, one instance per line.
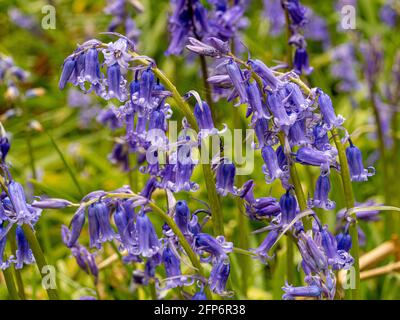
pixel 219 275
pixel 388 14
pixel 94 228
pixel 117 53
pixel 226 178
pixel 184 169
pixel 271 167
pixel 24 212
pixel 238 80
pixel 102 214
pixel 203 117
pixel 306 291
pixel 301 63
pixel 199 295
pixel 148 243
pixel 4 147
pixel 261 130
pixel 77 222
pixel 182 216
pixel 23 254
pixel 343 240
pixel 288 204
pixel 91 72
pixel 202 48
pixel 120 155
pixel 322 189
pixel 114 79
pixel 125 226
pixel 172 266
pixel 260 208
pixel 356 167
pixel 296 98
pixel 312 253
pixel 216 247
pixel 297 134
pixel 67 71
pixel 263 249
pixel 254 100
pixel 338 259
pixel 321 140
pixel 296 12
pixel 328 113
pixel 313 157
pixel 282 119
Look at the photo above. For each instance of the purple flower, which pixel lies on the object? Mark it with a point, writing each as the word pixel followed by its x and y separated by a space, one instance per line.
pixel 77 222
pixel 225 178
pixel 219 275
pixel 328 113
pixel 91 72
pixel 313 255
pixel 275 102
pixel 313 157
pixel 67 71
pixel 216 247
pixel 321 140
pixel 307 291
pixel 114 79
pixel 265 73
pixel 343 240
pixel 4 147
pixel 388 15
pixel 296 12
pixel 301 63
pixel 356 167
pixel 288 204
pixel 322 189
pixel 103 218
pixel 148 243
pixel 237 78
pixel 271 167
pixel 24 254
pixel 254 100
pixel 51 203
pixel 203 117
pixel 200 295
pixel 117 53
pixel 266 245
pixel 120 155
pixel 182 216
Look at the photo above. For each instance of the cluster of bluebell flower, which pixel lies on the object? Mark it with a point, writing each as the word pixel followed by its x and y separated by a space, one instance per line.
pixel 15 211
pixel 190 18
pixel 144 114
pixel 298 122
pixel 292 123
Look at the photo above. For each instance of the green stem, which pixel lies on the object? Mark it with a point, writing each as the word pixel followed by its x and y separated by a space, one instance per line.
pixel 207 87
pixel 289 260
pixel 349 201
pixel 18 277
pixel 243 224
pixel 39 257
pixel 213 198
pixel 12 289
